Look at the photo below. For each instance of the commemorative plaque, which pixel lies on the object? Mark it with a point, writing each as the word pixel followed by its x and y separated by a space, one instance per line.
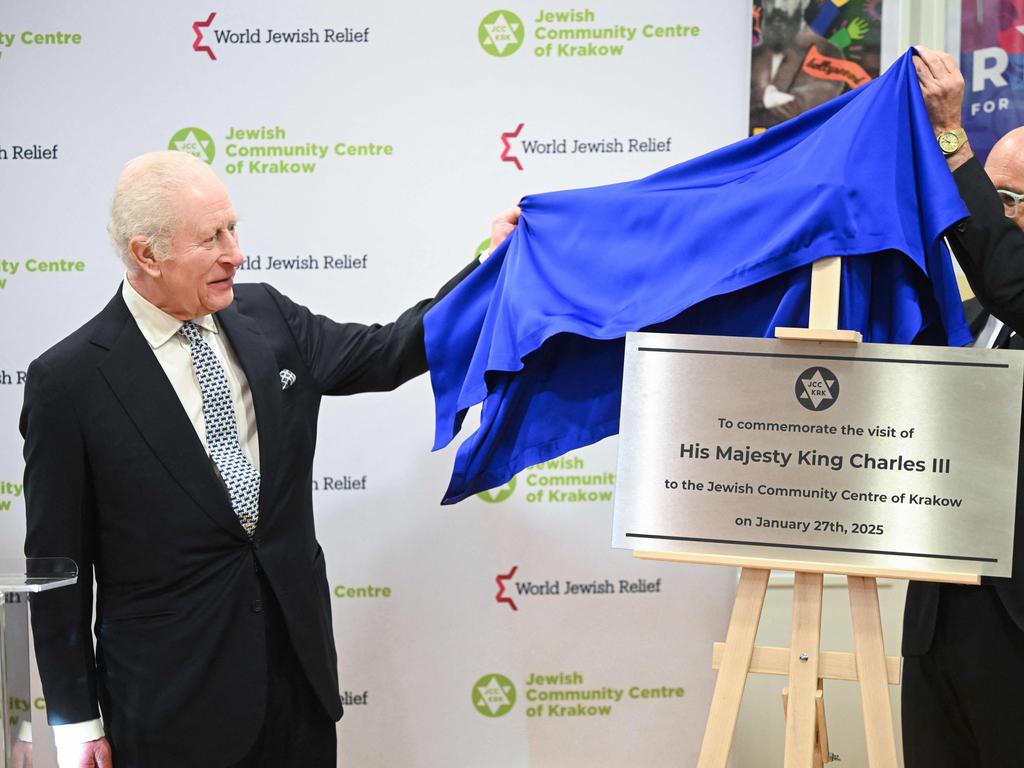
pixel 868 455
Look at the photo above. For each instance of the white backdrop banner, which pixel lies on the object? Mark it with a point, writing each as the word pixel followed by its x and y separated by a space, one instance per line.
pixel 367 146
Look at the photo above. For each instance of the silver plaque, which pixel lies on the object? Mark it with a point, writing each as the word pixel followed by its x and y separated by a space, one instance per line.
pixel 868 455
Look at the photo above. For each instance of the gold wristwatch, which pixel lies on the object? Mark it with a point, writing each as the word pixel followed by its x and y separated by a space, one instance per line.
pixel 951 141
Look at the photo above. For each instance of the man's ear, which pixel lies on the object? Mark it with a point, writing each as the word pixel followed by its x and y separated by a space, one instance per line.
pixel 142 253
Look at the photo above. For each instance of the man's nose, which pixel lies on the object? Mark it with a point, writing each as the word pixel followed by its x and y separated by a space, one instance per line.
pixel 231 252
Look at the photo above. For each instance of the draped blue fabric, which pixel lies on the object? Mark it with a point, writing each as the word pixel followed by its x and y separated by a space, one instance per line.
pixel 721 244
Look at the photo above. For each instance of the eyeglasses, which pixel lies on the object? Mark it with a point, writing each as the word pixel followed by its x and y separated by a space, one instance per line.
pixel 1011 202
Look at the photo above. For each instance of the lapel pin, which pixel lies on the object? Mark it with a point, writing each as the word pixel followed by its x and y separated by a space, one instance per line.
pixel 287 378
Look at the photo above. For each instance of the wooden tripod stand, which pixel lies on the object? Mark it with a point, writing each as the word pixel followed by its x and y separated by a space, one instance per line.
pixel 806 665
pixel 804 662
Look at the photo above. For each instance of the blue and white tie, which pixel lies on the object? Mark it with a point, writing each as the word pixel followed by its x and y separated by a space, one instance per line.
pixel 241 478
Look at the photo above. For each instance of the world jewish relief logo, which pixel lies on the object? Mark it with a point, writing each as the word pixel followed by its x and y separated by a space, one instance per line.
pixel 198 45
pixel 501 33
pixel 494 695
pixel 506 143
pixel 817 389
pixel 500 580
pixel 195 141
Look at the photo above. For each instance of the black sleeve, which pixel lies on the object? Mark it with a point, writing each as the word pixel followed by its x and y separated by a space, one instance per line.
pixel 989 247
pixel 346 358
pixel 59 505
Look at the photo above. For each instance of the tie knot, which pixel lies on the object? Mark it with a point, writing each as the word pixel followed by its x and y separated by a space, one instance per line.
pixel 190 331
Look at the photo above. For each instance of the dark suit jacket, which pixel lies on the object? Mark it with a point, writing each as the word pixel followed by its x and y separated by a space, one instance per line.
pixel 990 249
pixel 117 479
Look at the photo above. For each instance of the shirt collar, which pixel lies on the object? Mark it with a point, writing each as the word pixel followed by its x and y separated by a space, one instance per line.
pixel 157 326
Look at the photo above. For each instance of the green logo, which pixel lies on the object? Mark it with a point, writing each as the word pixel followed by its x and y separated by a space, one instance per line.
pixel 482 248
pixel 500 493
pixel 494 695
pixel 195 141
pixel 501 33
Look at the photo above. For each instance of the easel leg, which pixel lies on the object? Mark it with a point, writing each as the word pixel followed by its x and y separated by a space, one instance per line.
pixel 801 714
pixel 732 676
pixel 821 751
pixel 871 672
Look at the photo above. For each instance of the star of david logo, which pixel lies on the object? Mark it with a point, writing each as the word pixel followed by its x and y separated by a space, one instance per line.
pixel 817 389
pixel 495 495
pixel 501 33
pixel 494 695
pixel 195 141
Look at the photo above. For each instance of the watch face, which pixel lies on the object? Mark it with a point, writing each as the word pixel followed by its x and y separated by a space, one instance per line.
pixel 949 142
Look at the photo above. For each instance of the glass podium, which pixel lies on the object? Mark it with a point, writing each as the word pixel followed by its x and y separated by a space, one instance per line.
pixel 18 579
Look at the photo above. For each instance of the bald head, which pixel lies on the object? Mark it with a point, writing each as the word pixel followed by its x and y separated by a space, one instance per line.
pixel 145 200
pixel 1005 166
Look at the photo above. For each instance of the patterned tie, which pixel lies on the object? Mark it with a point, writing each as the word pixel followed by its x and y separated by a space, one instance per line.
pixel 241 478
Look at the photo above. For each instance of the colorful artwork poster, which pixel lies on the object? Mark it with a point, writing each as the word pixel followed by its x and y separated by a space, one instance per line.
pixel 992 60
pixel 807 52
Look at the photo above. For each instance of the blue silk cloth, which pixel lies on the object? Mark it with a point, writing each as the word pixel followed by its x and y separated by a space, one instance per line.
pixel 721 244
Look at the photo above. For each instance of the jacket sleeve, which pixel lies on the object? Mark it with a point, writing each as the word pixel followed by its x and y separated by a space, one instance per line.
pixel 59 506
pixel 989 247
pixel 346 358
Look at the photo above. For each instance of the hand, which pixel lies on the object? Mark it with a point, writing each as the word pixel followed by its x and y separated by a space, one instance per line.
pixel 845 36
pixel 89 754
pixel 857 28
pixel 502 225
pixel 942 86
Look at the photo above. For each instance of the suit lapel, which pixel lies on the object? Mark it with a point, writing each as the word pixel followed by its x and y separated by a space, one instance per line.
pixel 262 372
pixel 142 388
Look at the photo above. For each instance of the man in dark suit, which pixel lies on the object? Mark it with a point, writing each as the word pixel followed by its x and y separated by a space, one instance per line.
pixel 169 446
pixel 964 646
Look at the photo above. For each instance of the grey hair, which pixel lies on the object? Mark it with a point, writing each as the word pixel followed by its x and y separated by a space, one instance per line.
pixel 143 203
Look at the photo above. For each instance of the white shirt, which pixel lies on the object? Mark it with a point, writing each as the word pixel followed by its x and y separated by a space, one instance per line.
pixel 172 351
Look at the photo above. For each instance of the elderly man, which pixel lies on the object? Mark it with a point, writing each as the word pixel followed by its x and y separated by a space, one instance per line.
pixel 964 646
pixel 169 447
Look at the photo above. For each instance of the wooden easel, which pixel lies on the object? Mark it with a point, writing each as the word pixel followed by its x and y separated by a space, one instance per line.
pixel 806 665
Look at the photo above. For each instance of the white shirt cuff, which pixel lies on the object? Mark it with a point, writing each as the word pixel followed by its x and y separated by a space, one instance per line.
pixel 24 732
pixel 70 734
